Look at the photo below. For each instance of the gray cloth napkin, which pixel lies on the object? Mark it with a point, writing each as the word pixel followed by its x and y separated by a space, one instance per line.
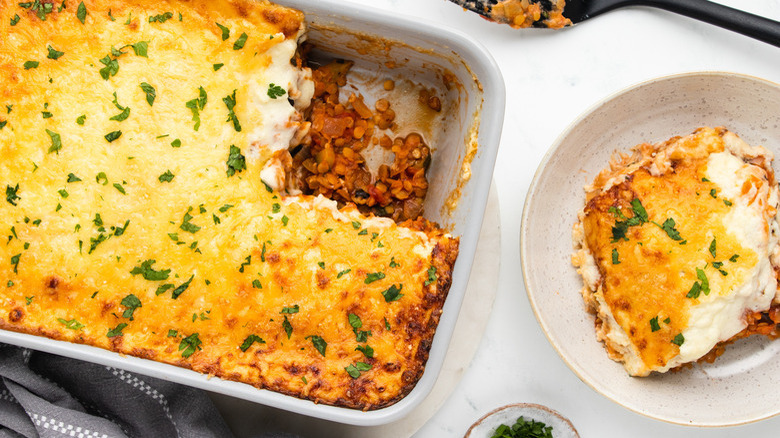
pixel 47 396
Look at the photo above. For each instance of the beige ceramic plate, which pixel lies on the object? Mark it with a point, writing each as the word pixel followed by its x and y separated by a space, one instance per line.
pixel 742 385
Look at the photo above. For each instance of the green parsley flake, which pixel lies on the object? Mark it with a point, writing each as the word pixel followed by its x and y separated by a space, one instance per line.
pixel 111 136
pixel 288 329
pixel 319 343
pixel 149 273
pixel 31 64
pixel 190 345
pixel 53 53
pixel 654 324
pixel 225 31
pixel 166 177
pixel 275 91
pixel 218 66
pixel 81 12
pixel 713 247
pixel 12 194
pixel 161 18
pixel 678 340
pixel 56 141
pixel 176 143
pixel 151 93
pixel 81 119
pixel 431 276
pixel 183 287
pixel 73 178
pixel 374 276
pixel 240 42
pixel 256 284
pixel 236 162
pixel 366 350
pixel 733 259
pixel 290 310
pixel 669 227
pixel 120 188
pixel 251 339
pixel 196 106
pixel 141 48
pixel 344 272
pixel 393 293
pixel 230 103
pixel 188 226
pixel 116 331
pixel 71 324
pixel 15 262
pixel 131 302
pixel 63 193
pixel 15 19
pixel 355 370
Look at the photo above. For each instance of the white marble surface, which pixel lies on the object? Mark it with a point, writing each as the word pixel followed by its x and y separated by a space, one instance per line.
pixel 552 77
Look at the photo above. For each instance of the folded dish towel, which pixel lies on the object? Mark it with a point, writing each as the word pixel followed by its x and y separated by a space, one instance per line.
pixel 43 395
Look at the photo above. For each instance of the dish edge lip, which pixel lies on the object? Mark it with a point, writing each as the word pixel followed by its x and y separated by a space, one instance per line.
pixel 492 93
pixel 524 251
pixel 522 405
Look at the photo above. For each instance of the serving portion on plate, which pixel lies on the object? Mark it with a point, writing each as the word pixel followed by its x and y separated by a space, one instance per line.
pixel 660 238
pixel 165 165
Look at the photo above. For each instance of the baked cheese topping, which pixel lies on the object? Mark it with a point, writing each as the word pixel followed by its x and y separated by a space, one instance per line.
pixel 677 244
pixel 136 142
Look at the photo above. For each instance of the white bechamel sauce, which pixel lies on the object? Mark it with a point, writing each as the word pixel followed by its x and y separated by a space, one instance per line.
pixel 282 122
pixel 718 317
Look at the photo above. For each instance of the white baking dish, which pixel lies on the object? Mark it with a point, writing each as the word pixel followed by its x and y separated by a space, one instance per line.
pixel 423 53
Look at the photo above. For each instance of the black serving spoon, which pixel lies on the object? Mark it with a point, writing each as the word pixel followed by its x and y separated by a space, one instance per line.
pixel 754 26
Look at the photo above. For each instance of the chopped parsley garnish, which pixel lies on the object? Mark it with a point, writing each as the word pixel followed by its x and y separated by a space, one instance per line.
pixel 393 293
pixel 290 310
pixel 387 324
pixel 669 227
pixel 71 324
pixel 116 331
pixel 654 326
pixel 161 18
pixel 15 19
pixel 141 48
pixel 713 247
pixel 251 339
pixel 188 226
pixel 15 262
pixel 275 91
pixel 236 162
pixel 733 259
pixel 225 31
pixel 247 262
pixel 355 370
pixel 176 143
pixel 73 178
pixel 111 136
pixel 163 288
pixel 28 300
pixel 120 188
pixel 615 257
pixel 166 177
pixel 256 284
pixel 218 66
pixel 431 276
pixel 12 194
pixel 678 340
pixel 101 178
pixel 56 142
pixel 363 232
pixel 63 193
pixel 81 12
pixel 285 220
pixel 230 103
pixel 523 429
pixel 374 276
pixel 131 302
pixel 190 345
pixel 81 119
pixel 54 53
pixel 151 93
pixel 196 106
pixel 124 114
pixel 318 343
pixel 181 288
pixel 321 265
pixel 31 64
pixel 342 273
pixel 287 327
pixel 149 273
pixel 111 65
pixel 366 350
pixel 356 323
pixel 173 333
pixel 705 284
pixel 240 42
pixel 714 193
pixel 225 208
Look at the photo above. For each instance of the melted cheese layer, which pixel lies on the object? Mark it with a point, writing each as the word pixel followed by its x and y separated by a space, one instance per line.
pixel 164 241
pixel 663 302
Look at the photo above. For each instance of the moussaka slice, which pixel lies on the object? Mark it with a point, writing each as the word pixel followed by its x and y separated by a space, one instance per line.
pixel 677 246
pixel 143 151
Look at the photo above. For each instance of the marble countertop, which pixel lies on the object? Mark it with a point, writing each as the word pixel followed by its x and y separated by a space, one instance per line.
pixel 552 77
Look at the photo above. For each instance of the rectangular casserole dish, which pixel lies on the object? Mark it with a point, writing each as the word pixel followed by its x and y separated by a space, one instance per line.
pixel 384 47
